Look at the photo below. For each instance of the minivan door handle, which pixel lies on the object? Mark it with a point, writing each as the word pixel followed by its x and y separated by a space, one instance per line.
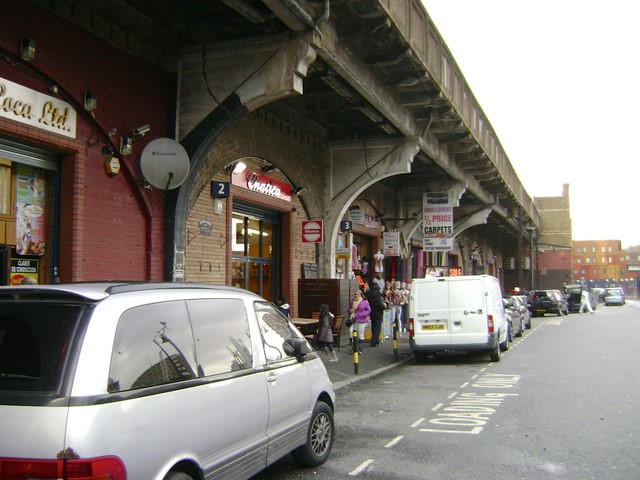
pixel 272 378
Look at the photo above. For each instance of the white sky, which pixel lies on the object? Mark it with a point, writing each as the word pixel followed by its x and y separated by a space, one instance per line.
pixel 559 81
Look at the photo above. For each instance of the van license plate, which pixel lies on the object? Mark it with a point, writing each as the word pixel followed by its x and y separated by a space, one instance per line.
pixel 433 327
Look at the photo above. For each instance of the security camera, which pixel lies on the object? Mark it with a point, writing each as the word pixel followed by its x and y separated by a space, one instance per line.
pixel 140 131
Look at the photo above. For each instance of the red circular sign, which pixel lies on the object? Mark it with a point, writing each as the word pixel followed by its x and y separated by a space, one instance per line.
pixel 312 231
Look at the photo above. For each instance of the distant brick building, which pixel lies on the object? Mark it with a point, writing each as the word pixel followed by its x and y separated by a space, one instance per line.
pixel 555 240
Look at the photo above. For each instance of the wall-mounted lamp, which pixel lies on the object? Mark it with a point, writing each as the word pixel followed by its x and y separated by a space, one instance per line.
pixel 27 48
pixel 298 190
pixel 90 100
pixel 126 146
pixel 236 168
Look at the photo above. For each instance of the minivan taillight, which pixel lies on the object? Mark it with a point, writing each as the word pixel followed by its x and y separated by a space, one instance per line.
pixel 102 468
pixel 490 323
pixel 411 327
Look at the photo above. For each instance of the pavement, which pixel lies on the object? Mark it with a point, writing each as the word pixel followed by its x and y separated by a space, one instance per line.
pixel 373 361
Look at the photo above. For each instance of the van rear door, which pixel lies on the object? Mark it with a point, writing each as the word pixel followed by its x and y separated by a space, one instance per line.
pixel 432 326
pixel 468 312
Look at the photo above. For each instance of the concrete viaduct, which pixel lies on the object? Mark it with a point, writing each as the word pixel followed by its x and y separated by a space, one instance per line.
pixel 371 80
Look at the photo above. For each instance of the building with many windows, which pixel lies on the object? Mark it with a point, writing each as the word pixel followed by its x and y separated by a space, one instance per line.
pixel 599 263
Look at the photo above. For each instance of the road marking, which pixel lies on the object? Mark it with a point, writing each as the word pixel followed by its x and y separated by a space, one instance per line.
pixel 417 422
pixel 361 468
pixel 473 431
pixel 464 385
pixel 470 412
pixel 394 441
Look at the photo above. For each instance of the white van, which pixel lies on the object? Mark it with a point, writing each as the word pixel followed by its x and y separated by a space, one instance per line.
pixel 457 314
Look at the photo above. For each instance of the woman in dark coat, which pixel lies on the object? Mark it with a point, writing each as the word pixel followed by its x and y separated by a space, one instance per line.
pixel 324 339
pixel 376 302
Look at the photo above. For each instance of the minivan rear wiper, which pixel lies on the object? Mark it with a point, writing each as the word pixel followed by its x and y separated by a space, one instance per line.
pixel 18 375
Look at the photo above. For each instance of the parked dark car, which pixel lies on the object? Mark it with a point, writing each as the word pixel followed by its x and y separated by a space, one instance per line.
pixel 548 301
pixel 573 294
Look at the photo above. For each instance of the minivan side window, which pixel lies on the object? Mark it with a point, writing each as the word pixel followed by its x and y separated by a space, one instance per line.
pixel 221 332
pixel 275 331
pixel 153 346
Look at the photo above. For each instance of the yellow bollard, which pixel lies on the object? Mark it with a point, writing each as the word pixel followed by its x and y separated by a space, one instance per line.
pixel 354 344
pixel 395 338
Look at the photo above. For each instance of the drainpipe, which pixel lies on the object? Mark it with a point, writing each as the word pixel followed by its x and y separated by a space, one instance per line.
pixel 302 14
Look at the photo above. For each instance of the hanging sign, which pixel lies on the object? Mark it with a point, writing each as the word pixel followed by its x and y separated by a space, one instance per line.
pixel 391 244
pixel 437 221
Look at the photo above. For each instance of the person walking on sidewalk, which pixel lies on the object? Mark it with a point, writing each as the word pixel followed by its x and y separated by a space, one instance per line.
pixel 359 316
pixel 404 305
pixel 377 305
pixel 394 297
pixel 324 339
pixel 585 301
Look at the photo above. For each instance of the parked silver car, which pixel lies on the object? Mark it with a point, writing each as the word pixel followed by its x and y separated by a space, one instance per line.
pixel 614 296
pixel 155 381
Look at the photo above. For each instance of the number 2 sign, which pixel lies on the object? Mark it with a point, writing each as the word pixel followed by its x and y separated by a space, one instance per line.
pixel 220 189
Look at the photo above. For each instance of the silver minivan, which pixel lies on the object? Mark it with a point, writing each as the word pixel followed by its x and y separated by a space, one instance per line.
pixel 153 381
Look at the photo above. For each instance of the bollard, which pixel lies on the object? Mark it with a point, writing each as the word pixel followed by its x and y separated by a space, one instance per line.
pixel 354 344
pixel 395 338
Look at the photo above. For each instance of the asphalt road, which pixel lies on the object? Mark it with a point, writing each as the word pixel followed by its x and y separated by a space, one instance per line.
pixel 562 403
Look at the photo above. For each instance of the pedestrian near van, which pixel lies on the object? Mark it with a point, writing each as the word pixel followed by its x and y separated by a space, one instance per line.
pixel 324 339
pixel 585 302
pixel 404 305
pixel 358 317
pixel 394 297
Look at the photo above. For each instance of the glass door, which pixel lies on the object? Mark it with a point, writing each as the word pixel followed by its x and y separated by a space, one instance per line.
pixel 255 253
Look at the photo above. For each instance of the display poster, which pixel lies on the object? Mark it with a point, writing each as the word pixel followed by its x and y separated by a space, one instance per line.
pixel 437 221
pixel 22 268
pixel 30 211
pixel 391 244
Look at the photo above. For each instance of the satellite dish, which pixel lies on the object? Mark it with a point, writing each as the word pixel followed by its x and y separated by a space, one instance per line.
pixel 164 163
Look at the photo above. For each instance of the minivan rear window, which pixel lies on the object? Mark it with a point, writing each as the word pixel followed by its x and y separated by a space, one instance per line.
pixel 34 339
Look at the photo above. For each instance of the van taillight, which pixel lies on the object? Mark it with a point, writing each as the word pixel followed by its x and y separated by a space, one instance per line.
pixel 411 327
pixel 103 468
pixel 490 323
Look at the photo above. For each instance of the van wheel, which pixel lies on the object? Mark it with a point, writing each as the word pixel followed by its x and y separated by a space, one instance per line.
pixel 319 438
pixel 177 476
pixel 504 346
pixel 494 356
pixel 420 357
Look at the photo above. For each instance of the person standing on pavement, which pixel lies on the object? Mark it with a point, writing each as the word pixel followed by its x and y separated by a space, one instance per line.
pixel 585 301
pixel 284 306
pixel 377 305
pixel 324 339
pixel 394 297
pixel 404 305
pixel 359 314
pixel 378 280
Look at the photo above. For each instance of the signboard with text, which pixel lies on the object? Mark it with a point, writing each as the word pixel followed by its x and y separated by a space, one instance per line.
pixel 24 105
pixel 312 231
pixel 437 221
